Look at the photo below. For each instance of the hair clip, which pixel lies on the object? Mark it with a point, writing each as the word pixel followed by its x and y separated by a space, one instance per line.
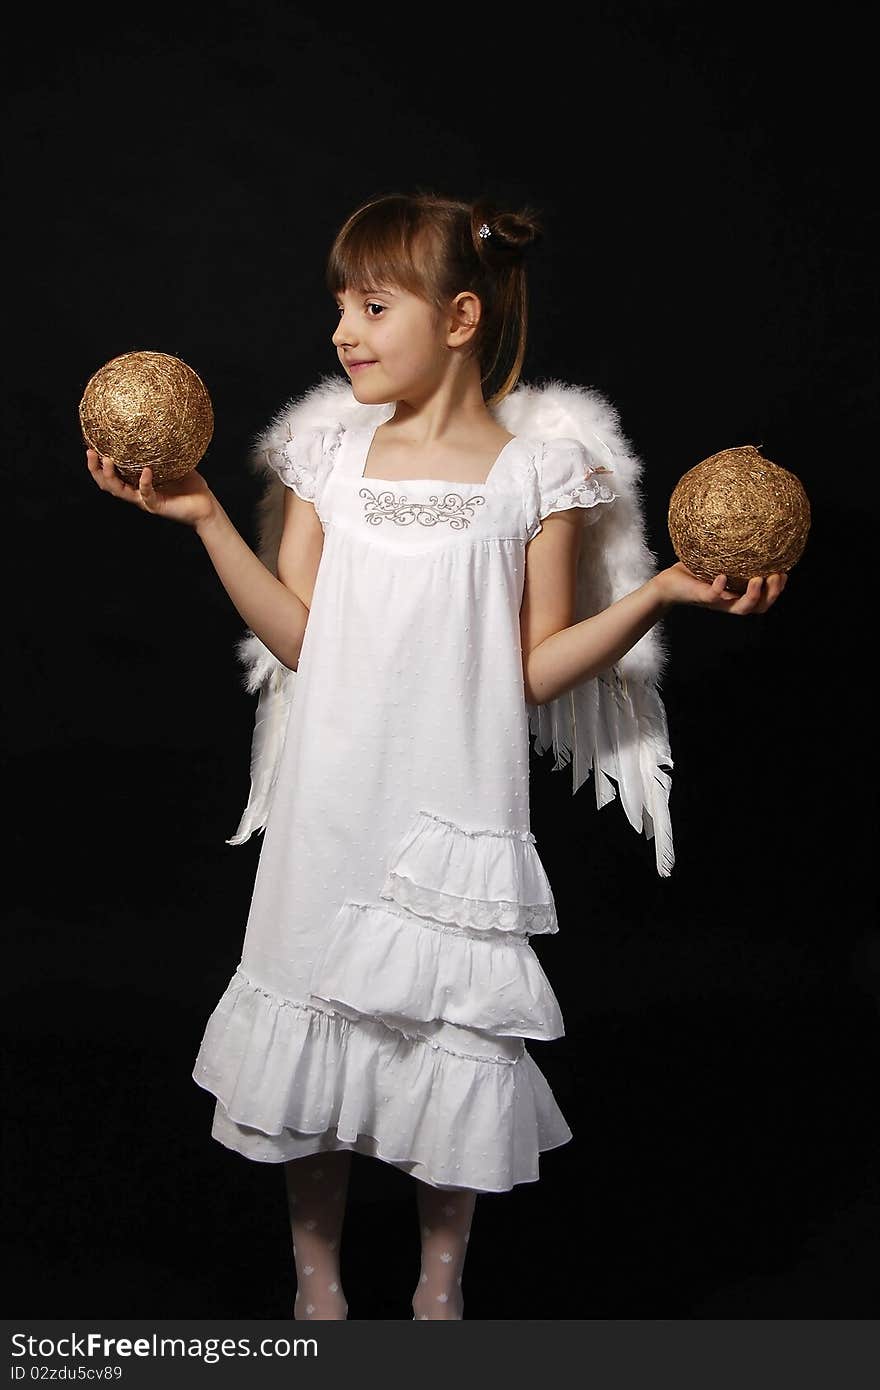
pixel 485 230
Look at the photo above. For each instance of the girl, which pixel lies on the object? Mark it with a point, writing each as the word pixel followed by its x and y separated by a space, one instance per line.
pixel 424 596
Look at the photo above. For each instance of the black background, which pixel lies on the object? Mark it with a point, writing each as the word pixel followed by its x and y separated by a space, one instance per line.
pixel 176 176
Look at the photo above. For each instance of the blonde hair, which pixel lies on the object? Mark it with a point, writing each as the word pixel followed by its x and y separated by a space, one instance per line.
pixel 431 246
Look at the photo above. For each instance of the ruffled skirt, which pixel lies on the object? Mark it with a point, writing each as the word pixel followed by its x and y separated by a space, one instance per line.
pixel 410 1043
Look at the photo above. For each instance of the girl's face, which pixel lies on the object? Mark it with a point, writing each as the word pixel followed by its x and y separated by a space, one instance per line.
pixel 401 338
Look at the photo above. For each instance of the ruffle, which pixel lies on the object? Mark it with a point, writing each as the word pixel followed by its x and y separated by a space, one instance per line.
pixel 402 968
pixel 409 1042
pixel 423 953
pixel 304 461
pixel 486 879
pixel 292 1078
pixel 563 476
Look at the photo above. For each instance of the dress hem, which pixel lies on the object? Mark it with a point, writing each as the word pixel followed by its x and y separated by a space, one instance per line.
pixel 275 1067
pixel 365 1144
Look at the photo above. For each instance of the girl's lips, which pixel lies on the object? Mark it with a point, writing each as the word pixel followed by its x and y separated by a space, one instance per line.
pixel 359 366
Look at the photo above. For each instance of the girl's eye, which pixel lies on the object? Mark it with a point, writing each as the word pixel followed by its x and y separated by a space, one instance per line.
pixel 371 304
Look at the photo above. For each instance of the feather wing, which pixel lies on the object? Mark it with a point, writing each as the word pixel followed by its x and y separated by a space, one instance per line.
pixel 613 725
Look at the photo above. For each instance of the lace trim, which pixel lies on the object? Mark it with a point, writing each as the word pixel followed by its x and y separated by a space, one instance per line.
pixel 301 1006
pixel 301 477
pixel 586 494
pixel 453 825
pixel 508 918
pixel 412 919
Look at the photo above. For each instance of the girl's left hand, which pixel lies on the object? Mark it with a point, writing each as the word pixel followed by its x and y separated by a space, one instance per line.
pixel 678 585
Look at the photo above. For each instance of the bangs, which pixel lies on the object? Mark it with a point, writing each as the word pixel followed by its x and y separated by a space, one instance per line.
pixel 385 245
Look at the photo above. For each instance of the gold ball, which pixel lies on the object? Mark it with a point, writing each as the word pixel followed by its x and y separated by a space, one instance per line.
pixel 738 514
pixel 147 409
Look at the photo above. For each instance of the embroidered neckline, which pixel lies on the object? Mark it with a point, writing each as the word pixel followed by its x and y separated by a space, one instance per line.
pixel 451 508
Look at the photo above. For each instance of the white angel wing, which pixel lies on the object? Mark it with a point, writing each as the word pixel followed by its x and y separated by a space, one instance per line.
pixel 613 725
pixel 270 729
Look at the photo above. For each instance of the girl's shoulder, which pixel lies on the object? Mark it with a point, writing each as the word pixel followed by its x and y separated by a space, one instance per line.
pixel 304 460
pixel 301 442
pixel 563 474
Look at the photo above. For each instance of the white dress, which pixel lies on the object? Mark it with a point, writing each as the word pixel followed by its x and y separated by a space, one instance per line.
pixel 386 985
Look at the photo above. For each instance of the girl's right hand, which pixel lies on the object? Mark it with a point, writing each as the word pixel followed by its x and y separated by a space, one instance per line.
pixel 187 499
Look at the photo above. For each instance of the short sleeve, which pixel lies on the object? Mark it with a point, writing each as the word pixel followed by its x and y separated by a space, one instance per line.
pixel 304 461
pixel 563 475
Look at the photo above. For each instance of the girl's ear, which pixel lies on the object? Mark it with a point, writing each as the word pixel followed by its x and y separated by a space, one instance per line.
pixel 466 311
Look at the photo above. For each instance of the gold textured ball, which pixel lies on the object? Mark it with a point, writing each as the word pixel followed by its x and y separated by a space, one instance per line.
pixel 147 409
pixel 738 514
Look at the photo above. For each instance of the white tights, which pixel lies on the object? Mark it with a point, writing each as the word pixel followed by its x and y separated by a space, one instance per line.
pixel 317 1187
pixel 445 1219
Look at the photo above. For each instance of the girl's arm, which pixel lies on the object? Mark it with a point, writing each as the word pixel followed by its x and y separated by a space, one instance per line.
pixel 271 610
pixel 558 655
pixel 575 654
